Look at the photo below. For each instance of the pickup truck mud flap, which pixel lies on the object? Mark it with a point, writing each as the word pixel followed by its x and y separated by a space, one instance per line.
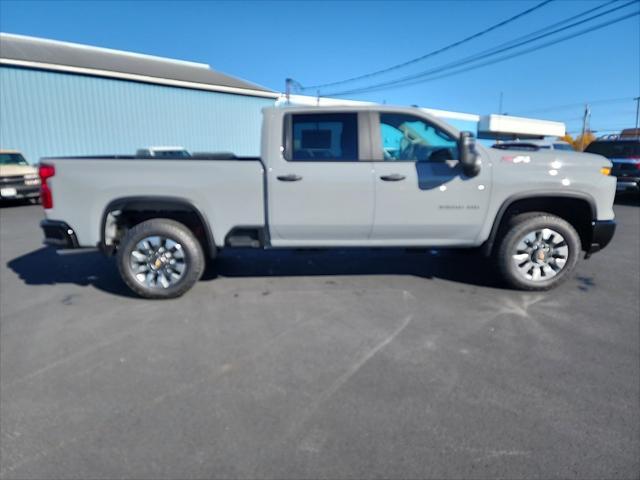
pixel 58 234
pixel 603 231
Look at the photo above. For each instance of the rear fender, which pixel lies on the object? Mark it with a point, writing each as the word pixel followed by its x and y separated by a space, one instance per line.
pixel 163 206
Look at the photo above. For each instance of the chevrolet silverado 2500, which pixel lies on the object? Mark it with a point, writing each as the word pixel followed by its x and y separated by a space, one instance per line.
pixel 372 176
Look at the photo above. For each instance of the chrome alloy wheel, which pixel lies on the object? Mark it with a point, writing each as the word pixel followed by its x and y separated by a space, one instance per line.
pixel 158 262
pixel 541 255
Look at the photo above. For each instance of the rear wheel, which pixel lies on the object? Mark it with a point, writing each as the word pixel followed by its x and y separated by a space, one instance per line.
pixel 160 258
pixel 538 251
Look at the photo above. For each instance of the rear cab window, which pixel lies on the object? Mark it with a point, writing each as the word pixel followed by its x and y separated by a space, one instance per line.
pixel 324 137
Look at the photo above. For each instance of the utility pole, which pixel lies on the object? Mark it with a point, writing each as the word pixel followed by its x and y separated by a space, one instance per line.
pixel 500 105
pixel 585 122
pixel 637 99
pixel 287 88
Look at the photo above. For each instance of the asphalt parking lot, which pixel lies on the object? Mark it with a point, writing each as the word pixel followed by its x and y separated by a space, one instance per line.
pixel 318 365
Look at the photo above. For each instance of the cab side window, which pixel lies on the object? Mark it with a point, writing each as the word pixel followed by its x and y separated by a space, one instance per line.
pixel 407 138
pixel 328 137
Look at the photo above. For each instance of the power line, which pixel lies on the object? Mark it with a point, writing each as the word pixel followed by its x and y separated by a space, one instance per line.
pixel 573 105
pixel 300 87
pixel 430 54
pixel 479 56
pixel 566 20
pixel 419 77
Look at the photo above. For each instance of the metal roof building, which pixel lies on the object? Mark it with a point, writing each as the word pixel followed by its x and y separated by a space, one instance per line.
pixel 58 98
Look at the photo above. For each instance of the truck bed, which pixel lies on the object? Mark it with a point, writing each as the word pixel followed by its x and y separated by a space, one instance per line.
pixel 227 192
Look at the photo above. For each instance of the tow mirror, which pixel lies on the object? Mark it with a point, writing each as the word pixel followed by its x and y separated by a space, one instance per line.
pixel 469 157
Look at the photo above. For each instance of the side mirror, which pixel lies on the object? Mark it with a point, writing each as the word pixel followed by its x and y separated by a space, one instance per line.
pixel 469 157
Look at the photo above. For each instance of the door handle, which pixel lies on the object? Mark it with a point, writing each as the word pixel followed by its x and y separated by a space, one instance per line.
pixel 394 177
pixel 289 178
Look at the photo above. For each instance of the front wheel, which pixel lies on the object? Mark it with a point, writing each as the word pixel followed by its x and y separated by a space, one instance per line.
pixel 160 258
pixel 538 251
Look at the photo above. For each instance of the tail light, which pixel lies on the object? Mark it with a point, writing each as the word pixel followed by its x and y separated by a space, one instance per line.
pixel 46 171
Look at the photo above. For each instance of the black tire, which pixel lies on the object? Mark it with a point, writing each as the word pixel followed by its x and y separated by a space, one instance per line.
pixel 516 230
pixel 194 261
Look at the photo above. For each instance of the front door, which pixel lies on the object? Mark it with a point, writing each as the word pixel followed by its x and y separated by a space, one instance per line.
pixel 422 196
pixel 320 192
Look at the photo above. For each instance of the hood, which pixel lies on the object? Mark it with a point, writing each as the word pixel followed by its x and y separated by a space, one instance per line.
pixel 549 158
pixel 17 170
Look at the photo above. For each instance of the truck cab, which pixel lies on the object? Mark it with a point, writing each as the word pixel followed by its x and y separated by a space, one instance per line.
pixel 375 177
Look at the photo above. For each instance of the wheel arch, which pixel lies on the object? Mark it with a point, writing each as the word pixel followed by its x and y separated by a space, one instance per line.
pixel 131 210
pixel 579 209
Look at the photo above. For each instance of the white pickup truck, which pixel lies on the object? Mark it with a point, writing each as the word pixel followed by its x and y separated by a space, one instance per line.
pixel 373 176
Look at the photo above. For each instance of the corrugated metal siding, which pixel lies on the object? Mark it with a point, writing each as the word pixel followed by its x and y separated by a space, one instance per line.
pixel 53 114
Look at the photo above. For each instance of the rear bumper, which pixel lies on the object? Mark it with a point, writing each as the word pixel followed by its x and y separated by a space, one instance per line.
pixel 601 235
pixel 59 234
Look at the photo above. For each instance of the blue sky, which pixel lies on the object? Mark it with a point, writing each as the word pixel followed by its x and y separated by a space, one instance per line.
pixel 319 42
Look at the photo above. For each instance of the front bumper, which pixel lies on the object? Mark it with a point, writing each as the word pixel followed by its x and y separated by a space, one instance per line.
pixel 59 234
pixel 15 192
pixel 628 184
pixel 601 235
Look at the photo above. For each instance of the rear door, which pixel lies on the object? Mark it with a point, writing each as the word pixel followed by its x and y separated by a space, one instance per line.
pixel 321 190
pixel 422 195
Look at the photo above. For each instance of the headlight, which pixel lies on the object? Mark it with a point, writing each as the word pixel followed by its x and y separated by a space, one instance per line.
pixel 31 179
pixel 605 170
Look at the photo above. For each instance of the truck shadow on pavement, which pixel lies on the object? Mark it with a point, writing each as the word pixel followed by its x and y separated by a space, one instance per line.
pixel 46 267
pixel 460 266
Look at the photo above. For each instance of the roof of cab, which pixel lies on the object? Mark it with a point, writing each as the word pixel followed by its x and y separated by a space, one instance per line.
pixel 281 110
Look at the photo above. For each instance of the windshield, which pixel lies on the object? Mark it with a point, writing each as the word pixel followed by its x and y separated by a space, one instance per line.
pixel 613 149
pixel 12 159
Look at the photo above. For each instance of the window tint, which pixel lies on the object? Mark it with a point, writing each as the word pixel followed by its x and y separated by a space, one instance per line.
pixel 325 137
pixel 409 138
pixel 613 149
